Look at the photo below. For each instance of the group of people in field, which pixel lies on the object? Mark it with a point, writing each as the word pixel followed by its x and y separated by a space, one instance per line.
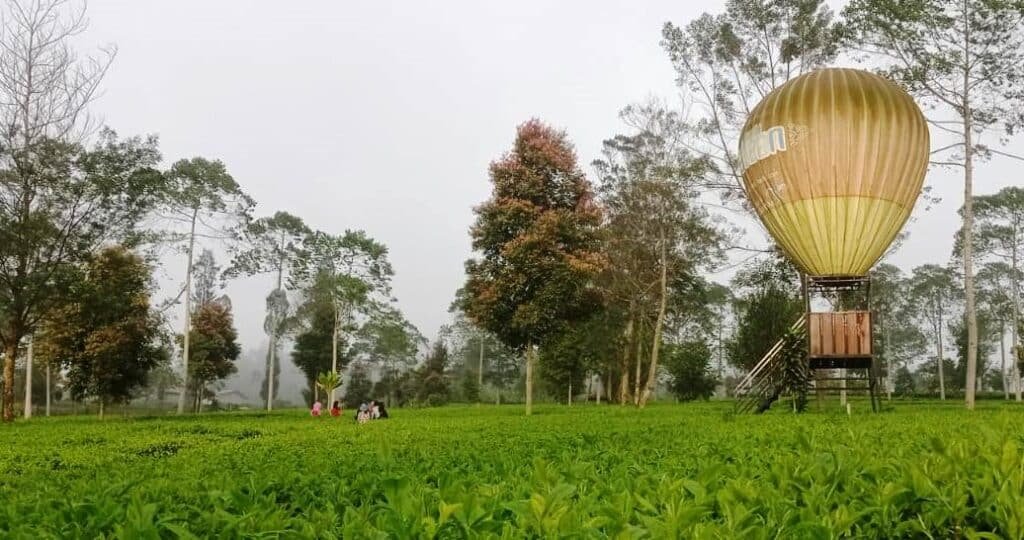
pixel 374 410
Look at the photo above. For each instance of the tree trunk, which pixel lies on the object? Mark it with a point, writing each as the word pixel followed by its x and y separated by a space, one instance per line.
pixel 48 395
pixel 101 409
pixel 569 401
pixel 10 356
pixel 188 311
pixel 842 387
pixel 1014 330
pixel 480 373
pixel 639 363
pixel 888 364
pixel 721 363
pixel 600 387
pixel 652 373
pixel 942 377
pixel 28 379
pixel 624 367
pixel 270 372
pixel 1002 356
pixel 972 316
pixel 334 351
pixel 529 379
pixel 273 336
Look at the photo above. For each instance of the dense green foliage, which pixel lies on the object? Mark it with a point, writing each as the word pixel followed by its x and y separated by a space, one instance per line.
pixel 481 472
pixel 690 366
pixel 104 333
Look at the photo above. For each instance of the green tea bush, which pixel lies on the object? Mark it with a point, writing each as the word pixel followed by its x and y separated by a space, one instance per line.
pixel 670 471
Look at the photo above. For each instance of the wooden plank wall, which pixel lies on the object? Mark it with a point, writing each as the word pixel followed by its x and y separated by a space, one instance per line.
pixel 843 334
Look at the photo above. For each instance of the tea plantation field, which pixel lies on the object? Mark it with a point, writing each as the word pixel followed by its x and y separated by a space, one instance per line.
pixel 671 471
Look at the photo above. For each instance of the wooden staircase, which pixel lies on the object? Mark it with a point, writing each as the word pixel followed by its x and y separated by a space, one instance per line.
pixel 763 385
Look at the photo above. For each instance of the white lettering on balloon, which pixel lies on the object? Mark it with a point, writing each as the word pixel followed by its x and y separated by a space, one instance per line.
pixel 756 145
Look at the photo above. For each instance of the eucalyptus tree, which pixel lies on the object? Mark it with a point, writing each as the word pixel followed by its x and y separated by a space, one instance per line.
pixel 657 231
pixel 392 342
pixel 349 273
pixel 495 363
pixel 934 294
pixel 468 342
pixel 897 343
pixel 999 235
pixel 964 59
pixel 726 63
pixel 206 279
pixel 203 197
pixel 272 245
pixel 719 299
pixel 997 284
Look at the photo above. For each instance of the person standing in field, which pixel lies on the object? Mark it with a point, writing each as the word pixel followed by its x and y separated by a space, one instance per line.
pixel 316 408
pixel 336 409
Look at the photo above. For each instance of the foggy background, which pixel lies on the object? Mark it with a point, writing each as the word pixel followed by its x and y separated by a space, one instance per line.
pixel 384 115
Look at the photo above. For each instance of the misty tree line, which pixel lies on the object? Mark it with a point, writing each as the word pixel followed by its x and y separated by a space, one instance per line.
pixel 606 278
pixel 599 278
pixel 85 217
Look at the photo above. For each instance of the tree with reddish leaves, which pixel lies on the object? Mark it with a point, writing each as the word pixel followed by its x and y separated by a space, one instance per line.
pixel 215 349
pixel 538 245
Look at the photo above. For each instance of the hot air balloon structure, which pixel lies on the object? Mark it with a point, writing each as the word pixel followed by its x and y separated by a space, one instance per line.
pixel 833 162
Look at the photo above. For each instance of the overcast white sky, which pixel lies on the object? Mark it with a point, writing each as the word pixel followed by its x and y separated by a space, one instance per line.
pixel 384 115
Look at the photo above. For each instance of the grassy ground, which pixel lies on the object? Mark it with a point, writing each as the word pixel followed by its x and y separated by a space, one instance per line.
pixel 690 471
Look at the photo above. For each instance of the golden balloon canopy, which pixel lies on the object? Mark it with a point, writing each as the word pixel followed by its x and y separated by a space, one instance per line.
pixel 833 162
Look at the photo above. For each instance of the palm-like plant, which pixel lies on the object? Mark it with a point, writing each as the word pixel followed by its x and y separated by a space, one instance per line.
pixel 329 381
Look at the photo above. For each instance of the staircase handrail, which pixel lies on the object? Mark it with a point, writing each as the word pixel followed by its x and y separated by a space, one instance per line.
pixel 762 364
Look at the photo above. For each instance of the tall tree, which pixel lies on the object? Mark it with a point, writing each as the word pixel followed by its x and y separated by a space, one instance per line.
pixel 58 201
pixel 997 282
pixel 206 274
pixel 272 245
pixel 391 342
pixel 896 343
pixel 59 205
pixel 203 197
pixel 719 298
pixel 215 348
pixel 988 331
pixel 349 273
pixel 432 379
pixel 106 334
pixel 726 63
pixel 965 60
pixel 649 187
pixel 999 234
pixel 934 293
pixel 538 245
pixel 315 342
